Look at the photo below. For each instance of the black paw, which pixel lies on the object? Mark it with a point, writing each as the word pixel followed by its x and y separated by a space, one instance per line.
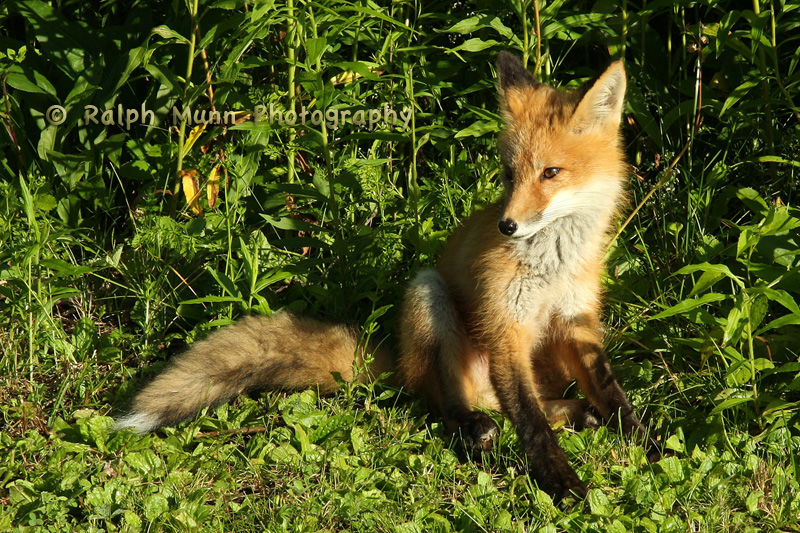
pixel 654 453
pixel 589 419
pixel 629 426
pixel 567 499
pixel 555 476
pixel 478 433
pixel 566 492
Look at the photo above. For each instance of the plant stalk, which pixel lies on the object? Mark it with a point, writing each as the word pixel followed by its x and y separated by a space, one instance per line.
pixel 176 189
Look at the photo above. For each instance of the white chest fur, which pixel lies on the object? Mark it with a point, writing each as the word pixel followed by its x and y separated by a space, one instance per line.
pixel 548 276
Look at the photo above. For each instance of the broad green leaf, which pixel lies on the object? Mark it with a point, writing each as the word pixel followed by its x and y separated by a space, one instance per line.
pixel 468 25
pixel 214 299
pixel 65 41
pixel 504 30
pixel 23 82
pixel 778 295
pixel 688 305
pixel 302 439
pixel 735 322
pixel 474 45
pixel 705 282
pixel 120 74
pixel 225 282
pixel 359 439
pixel 674 468
pixel 752 200
pixel 674 443
pixel 569 24
pixel 779 221
pixel 168 33
pixel 155 505
pixel 27 202
pixel 478 128
pixel 729 403
pixel 144 462
pixel 598 503
pixel 66 269
pixel 752 500
pixel 748 238
pixel 711 267
pixel 293 224
pixel 45 202
pixel 757 310
pixel 775 159
pixel 330 427
pixel 737 94
pixel 786 320
pixel 21 491
pixel 314 49
pixel 265 281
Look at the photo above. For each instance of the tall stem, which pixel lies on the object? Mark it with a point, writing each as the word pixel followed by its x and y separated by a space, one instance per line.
pixel 291 55
pixel 176 189
pixel 538 38
pixel 762 67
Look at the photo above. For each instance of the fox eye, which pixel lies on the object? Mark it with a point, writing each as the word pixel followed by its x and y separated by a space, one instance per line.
pixel 549 173
pixel 509 174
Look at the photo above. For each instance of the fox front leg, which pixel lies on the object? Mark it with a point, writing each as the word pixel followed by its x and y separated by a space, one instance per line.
pixel 512 377
pixel 589 365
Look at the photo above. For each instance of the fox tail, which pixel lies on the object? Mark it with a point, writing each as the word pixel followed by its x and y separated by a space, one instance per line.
pixel 284 351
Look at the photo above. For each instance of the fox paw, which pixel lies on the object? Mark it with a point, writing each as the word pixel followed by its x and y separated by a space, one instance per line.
pixel 566 490
pixel 655 454
pixel 589 419
pixel 478 432
pixel 571 495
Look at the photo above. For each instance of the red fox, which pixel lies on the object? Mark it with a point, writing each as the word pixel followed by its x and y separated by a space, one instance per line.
pixel 507 319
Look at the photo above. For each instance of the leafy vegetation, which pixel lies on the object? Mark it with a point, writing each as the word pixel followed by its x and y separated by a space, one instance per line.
pixel 120 244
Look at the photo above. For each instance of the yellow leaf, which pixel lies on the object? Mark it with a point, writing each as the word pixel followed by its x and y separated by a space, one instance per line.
pixel 193 136
pixel 345 76
pixel 190 190
pixel 348 76
pixel 212 189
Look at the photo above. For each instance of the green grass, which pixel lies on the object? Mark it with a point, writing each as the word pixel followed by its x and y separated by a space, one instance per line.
pixel 106 270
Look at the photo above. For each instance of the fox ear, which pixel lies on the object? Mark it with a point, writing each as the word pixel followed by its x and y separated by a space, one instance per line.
pixel 512 73
pixel 601 106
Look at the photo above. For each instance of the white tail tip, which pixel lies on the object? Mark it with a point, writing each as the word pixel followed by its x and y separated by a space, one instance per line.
pixel 140 422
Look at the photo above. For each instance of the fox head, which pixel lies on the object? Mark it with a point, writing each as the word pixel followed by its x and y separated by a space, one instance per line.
pixel 561 151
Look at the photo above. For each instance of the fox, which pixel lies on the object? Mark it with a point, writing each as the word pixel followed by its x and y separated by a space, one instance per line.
pixel 507 320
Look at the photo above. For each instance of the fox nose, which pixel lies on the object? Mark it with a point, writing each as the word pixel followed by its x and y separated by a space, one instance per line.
pixel 507 227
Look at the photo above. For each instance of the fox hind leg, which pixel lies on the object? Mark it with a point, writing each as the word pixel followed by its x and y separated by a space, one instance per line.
pixel 576 412
pixel 432 362
pixel 553 377
pixel 588 362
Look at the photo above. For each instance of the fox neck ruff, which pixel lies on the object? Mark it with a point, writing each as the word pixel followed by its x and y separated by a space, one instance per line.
pixel 560 248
